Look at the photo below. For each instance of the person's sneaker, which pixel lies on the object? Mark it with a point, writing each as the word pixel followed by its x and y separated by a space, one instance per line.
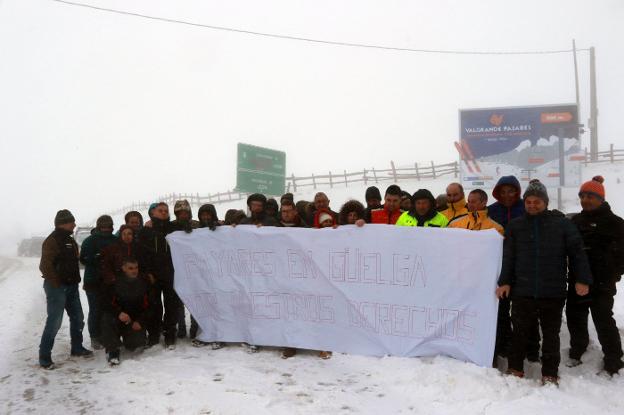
pixel 198 343
pixel 550 380
pixel 113 358
pixel 613 369
pixel 216 345
pixel 151 342
pixel 170 343
pixel 251 348
pixel 573 363
pixel 82 352
pixel 516 373
pixel 288 352
pixel 96 345
pixel 46 363
pixel 325 355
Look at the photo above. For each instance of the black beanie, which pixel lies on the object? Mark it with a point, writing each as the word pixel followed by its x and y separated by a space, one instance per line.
pixel 104 221
pixel 63 216
pixel 256 197
pixel 373 193
pixel 423 194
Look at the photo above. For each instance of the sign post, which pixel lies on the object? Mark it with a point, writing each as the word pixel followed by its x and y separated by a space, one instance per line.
pixel 260 170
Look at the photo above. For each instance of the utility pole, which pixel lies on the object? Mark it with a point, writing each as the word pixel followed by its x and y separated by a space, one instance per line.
pixel 576 81
pixel 593 112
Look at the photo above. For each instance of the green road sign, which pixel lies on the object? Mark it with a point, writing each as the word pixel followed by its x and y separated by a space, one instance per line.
pixel 260 170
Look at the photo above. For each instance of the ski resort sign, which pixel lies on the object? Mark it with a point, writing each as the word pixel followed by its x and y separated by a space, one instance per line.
pixel 376 290
pixel 527 142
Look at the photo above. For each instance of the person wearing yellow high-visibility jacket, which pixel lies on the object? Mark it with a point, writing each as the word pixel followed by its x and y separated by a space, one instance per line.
pixel 423 212
pixel 456 202
pixel 477 218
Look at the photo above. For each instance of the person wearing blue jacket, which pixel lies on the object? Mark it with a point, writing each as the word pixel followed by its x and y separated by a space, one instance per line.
pixel 507 207
pixel 90 257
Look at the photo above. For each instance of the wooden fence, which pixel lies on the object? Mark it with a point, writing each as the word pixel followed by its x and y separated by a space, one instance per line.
pixel 425 171
pixel 609 156
pixel 293 183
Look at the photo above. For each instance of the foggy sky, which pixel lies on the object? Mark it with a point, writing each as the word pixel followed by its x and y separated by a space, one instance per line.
pixel 98 110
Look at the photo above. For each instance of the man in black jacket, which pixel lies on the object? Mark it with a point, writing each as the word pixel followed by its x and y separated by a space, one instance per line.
pixel 59 269
pixel 153 239
pixel 603 235
pixel 257 208
pixel 537 248
pixel 125 310
pixel 289 218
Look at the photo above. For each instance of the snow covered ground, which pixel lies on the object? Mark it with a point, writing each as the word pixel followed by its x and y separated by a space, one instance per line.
pixel 230 381
pixel 189 380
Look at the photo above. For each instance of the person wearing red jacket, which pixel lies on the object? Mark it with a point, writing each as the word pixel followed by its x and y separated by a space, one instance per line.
pixel 391 210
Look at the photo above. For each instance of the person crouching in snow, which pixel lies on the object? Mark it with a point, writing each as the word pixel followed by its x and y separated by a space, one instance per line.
pixel 538 249
pixel 125 312
pixel 322 219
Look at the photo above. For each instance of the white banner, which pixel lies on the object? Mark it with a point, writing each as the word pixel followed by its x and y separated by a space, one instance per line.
pixel 376 290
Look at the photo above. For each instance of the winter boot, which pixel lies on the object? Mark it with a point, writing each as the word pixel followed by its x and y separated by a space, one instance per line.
pixel 198 343
pixel 216 345
pixel 574 362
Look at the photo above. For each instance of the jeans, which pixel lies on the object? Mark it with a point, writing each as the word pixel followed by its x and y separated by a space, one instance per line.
pixel 94 316
pixel 64 298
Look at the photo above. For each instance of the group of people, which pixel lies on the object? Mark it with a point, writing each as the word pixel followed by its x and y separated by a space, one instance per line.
pixel 549 262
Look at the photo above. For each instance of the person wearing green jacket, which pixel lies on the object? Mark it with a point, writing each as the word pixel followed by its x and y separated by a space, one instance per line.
pixel 423 212
pixel 90 251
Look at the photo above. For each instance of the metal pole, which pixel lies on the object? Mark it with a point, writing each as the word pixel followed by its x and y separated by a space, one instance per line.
pixel 576 82
pixel 593 113
pixel 561 134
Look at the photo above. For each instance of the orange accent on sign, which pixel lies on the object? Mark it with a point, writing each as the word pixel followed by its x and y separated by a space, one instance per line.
pixel 536 160
pixel 553 174
pixel 555 117
pixel 496 119
pixel 580 157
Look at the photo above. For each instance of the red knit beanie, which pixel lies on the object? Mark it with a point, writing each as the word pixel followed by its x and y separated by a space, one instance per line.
pixel 594 186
